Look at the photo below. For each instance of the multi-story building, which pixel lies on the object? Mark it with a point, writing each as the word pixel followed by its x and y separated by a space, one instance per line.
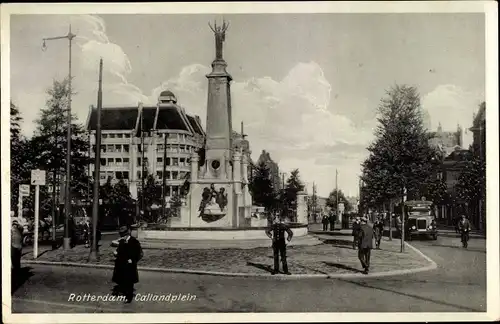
pixel 446 142
pixel 478 130
pixel 274 171
pixel 133 143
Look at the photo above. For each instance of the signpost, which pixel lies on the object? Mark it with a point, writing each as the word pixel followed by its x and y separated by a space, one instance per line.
pixel 24 191
pixel 37 179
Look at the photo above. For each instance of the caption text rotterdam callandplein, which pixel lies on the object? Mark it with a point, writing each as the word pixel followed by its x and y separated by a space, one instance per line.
pixel 171 298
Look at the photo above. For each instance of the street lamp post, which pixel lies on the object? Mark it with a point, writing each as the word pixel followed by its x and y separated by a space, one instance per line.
pixel 70 36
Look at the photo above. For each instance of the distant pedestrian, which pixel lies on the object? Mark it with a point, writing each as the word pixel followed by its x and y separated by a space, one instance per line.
pixel 276 232
pixel 128 254
pixel 365 245
pixel 378 230
pixel 332 221
pixel 356 226
pixel 398 225
pixel 325 222
pixel 16 246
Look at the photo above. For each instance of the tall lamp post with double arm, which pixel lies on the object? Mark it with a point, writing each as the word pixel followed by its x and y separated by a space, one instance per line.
pixel 70 36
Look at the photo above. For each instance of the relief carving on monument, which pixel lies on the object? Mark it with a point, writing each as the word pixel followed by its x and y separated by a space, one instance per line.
pixel 213 204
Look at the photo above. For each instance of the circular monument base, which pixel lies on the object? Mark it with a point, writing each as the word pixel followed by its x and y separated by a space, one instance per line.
pixel 212 233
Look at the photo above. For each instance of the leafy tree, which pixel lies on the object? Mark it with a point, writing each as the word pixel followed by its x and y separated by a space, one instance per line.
pixel 293 186
pixel 261 187
pixel 17 155
pixel 471 185
pixel 400 157
pixel 331 201
pixel 48 145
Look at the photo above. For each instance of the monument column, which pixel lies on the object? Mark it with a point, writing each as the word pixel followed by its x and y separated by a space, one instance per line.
pixel 194 167
pixel 219 129
pixel 237 172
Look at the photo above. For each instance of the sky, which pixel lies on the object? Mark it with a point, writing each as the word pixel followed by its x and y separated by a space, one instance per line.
pixel 306 86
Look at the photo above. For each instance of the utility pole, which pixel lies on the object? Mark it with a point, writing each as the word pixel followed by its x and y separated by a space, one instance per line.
pixel 66 243
pixel 403 200
pixel 337 194
pixel 97 167
pixel 142 163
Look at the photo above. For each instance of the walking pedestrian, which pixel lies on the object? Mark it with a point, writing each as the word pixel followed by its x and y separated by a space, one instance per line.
pixel 398 225
pixel 464 228
pixel 356 225
pixel 16 246
pixel 325 222
pixel 128 254
pixel 365 244
pixel 276 232
pixel 378 230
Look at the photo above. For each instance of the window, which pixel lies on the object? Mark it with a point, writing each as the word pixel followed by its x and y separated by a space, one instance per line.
pixel 126 148
pixel 125 175
pixel 125 162
pixel 118 161
pixel 169 175
pixel 119 175
pixel 175 175
pixel 126 135
pixel 110 148
pixel 111 135
pixel 175 162
pixel 181 161
pixel 146 161
pixel 119 135
pixel 118 148
pixel 103 161
pixel 138 174
pixel 111 161
pixel 159 174
pixel 139 161
pixel 139 148
pixel 103 148
pixel 159 161
pixel 168 161
pixel 159 148
pixel 104 135
pixel 102 175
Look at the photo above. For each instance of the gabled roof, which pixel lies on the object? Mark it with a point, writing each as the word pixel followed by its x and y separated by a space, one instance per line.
pixel 116 118
pixel 146 120
pixel 170 118
pixel 194 125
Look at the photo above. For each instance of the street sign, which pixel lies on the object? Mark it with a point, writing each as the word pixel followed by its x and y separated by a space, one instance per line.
pixel 341 207
pixel 24 190
pixel 38 177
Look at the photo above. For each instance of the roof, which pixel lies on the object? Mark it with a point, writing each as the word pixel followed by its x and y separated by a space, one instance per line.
pixel 146 120
pixel 170 118
pixel 116 118
pixel 167 93
pixel 195 125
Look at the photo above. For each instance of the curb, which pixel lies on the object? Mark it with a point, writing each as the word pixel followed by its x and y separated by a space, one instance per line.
pixel 433 265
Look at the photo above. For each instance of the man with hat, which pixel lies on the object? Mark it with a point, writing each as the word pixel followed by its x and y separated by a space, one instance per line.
pixel 276 232
pixel 365 244
pixel 16 246
pixel 378 230
pixel 355 232
pixel 128 254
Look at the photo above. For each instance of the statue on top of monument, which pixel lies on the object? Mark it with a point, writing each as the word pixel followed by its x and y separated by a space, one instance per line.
pixel 220 37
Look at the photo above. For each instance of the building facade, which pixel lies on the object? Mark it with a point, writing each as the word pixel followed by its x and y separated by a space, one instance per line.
pixel 446 142
pixel 274 171
pixel 133 143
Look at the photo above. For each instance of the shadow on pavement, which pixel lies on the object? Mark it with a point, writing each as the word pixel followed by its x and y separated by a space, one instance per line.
pixel 331 233
pixel 439 302
pixel 346 244
pixel 459 248
pixel 261 266
pixel 342 266
pixel 19 277
pixel 39 254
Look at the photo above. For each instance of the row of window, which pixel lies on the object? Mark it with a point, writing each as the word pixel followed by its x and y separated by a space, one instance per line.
pixel 181 137
pixel 125 148
pixel 124 162
pixel 170 175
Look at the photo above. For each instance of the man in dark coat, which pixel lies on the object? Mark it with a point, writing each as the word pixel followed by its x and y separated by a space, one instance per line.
pixel 332 219
pixel 378 229
pixel 16 246
pixel 325 222
pixel 128 254
pixel 276 232
pixel 365 244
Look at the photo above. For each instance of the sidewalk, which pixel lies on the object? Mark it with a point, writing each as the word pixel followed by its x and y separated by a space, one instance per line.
pixel 334 256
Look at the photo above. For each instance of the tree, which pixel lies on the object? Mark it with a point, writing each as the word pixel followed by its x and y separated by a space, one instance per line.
pixel 331 201
pixel 48 146
pixel 471 185
pixel 400 157
pixel 261 187
pixel 152 196
pixel 293 186
pixel 17 155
